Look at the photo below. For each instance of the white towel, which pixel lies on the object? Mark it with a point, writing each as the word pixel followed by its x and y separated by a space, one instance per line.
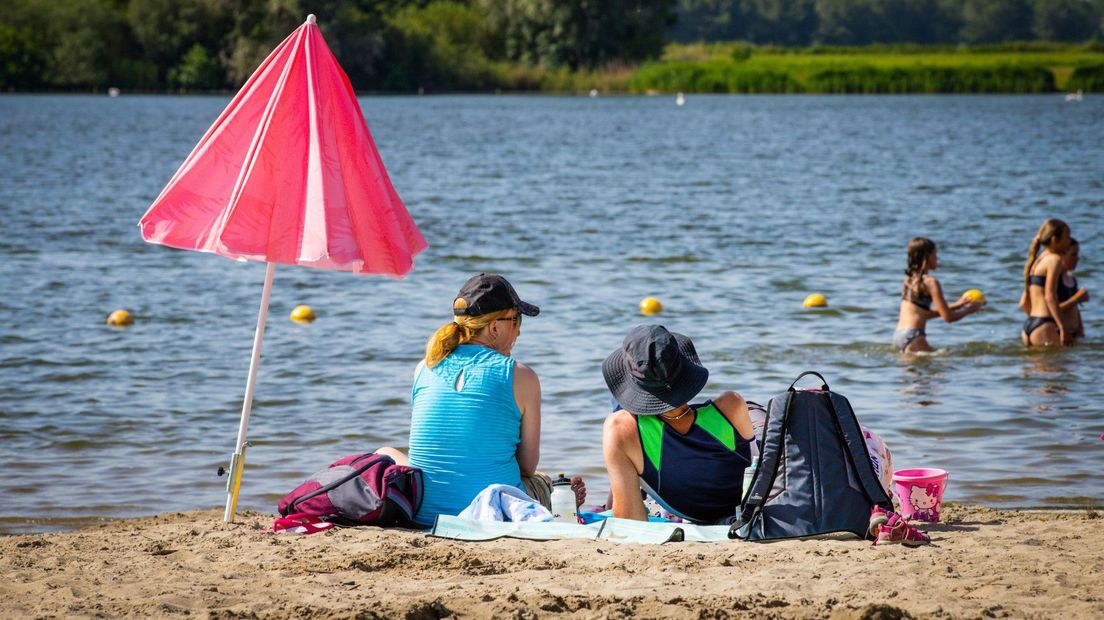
pixel 502 502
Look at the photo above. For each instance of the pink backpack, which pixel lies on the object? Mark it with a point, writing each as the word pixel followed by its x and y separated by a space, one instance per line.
pixel 359 489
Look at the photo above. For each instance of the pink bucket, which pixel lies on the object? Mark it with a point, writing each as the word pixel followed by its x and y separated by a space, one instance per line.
pixel 920 492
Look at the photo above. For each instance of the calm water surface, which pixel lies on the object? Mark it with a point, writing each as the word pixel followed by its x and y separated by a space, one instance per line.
pixel 730 210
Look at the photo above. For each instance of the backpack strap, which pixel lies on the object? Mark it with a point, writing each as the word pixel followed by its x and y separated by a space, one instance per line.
pixel 361 467
pixel 770 455
pixel 823 386
pixel 848 427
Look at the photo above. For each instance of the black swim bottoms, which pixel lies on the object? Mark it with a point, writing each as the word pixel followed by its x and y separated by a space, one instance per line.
pixel 1034 322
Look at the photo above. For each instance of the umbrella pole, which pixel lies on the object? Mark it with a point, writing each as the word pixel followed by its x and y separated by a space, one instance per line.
pixel 237 460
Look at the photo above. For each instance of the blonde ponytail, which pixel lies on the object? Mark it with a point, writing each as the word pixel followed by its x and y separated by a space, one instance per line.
pixel 457 332
pixel 1031 251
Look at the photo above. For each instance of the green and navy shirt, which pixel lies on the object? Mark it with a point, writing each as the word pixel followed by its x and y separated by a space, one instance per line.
pixel 698 476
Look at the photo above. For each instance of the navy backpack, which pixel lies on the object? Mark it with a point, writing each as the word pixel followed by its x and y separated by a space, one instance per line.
pixel 814 474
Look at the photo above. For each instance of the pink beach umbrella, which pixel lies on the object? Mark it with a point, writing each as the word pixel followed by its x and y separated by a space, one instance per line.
pixel 287 174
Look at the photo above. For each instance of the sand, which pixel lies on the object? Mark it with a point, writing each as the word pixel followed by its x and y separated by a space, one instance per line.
pixel 982 563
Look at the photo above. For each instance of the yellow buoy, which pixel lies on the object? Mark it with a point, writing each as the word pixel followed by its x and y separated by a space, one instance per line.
pixel 816 300
pixel 974 295
pixel 650 306
pixel 302 314
pixel 120 318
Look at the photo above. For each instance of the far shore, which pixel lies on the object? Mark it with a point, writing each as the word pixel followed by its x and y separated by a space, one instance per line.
pixel 981 563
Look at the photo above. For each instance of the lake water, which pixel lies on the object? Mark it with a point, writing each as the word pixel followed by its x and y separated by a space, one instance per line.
pixel 729 210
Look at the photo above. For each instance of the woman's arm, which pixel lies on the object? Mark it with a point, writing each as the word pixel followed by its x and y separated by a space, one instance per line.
pixel 624 460
pixel 1050 296
pixel 1081 295
pixel 734 408
pixel 527 393
pixel 941 308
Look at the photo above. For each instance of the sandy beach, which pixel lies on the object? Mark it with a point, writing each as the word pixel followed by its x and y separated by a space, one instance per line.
pixel 982 563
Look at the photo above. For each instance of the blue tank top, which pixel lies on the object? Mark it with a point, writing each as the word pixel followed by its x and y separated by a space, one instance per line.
pixel 698 476
pixel 464 429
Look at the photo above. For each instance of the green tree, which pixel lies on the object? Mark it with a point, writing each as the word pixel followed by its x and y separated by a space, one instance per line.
pixel 22 58
pixel 198 70
pixel 166 30
pixel 780 22
pixel 994 21
pixel 580 33
pixel 1065 20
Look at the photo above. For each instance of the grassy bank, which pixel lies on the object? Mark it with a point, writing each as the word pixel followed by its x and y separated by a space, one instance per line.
pixel 739 68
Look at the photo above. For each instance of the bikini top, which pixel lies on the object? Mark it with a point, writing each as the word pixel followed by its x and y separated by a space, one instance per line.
pixel 1037 281
pixel 1065 292
pixel 924 301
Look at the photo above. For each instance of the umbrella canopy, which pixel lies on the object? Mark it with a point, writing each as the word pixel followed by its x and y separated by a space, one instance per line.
pixel 289 174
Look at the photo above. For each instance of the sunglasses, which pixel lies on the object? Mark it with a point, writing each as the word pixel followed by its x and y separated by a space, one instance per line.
pixel 513 319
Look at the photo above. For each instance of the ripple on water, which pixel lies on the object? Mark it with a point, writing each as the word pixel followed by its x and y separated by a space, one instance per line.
pixel 585 224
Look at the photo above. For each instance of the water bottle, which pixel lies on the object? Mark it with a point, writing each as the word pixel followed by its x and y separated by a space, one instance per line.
pixel 749 475
pixel 563 501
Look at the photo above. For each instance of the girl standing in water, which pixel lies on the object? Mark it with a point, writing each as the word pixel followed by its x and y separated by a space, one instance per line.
pixel 1070 295
pixel 922 299
pixel 1045 325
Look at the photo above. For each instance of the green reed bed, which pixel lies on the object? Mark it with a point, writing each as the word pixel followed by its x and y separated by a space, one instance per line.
pixel 737 68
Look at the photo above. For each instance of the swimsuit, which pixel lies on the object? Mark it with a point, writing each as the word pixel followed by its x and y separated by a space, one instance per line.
pixel 903 337
pixel 924 301
pixel 1035 322
pixel 698 476
pixel 1065 292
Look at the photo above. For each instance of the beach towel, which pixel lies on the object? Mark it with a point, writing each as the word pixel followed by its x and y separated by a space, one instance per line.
pixel 502 502
pixel 621 531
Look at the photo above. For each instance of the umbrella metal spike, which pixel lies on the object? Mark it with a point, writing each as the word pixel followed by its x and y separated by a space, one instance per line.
pixel 237 459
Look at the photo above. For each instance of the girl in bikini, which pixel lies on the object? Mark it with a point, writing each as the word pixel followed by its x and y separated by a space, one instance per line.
pixel 1045 324
pixel 1070 294
pixel 922 299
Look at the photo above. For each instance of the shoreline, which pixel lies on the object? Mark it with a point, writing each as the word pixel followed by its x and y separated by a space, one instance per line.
pixel 982 562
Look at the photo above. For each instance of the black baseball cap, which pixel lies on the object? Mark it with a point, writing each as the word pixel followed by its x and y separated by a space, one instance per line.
pixel 489 292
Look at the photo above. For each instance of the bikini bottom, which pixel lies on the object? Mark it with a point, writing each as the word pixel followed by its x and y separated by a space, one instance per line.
pixel 903 337
pixel 1035 322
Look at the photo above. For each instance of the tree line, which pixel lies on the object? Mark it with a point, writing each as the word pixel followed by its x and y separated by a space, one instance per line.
pixel 865 22
pixel 407 45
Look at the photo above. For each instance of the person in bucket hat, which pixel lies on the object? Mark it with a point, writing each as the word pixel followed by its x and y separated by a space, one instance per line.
pixel 475 419
pixel 690 458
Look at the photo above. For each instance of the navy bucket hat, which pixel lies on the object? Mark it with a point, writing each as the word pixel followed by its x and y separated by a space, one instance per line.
pixel 654 371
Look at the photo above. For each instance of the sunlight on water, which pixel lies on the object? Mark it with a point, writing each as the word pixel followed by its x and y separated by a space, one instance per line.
pixel 729 212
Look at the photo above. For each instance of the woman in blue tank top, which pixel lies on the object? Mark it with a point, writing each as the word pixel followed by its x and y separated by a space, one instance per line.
pixel 689 458
pixel 476 411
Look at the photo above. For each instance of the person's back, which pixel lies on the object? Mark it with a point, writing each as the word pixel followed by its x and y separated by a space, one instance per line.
pixel 689 458
pixel 697 472
pixel 465 428
pixel 475 410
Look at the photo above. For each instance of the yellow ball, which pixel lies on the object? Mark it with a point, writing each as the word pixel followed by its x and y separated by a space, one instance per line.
pixel 650 306
pixel 302 314
pixel 816 300
pixel 974 295
pixel 120 318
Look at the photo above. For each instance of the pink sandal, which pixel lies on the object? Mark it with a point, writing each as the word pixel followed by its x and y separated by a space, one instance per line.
pixel 897 530
pixel 300 523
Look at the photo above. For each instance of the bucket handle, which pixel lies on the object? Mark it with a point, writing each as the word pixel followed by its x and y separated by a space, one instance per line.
pixel 824 383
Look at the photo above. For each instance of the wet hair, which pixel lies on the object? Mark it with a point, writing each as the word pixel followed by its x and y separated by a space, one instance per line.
pixel 919 250
pixel 458 331
pixel 1050 230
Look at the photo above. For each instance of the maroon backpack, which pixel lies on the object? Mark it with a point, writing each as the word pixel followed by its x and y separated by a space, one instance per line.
pixel 360 489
